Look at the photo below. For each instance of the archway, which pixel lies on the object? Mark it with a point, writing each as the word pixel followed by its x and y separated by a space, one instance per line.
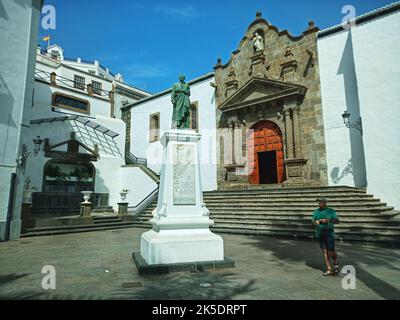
pixel 265 154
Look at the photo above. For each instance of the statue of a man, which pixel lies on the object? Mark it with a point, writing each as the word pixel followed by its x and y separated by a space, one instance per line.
pixel 258 42
pixel 181 102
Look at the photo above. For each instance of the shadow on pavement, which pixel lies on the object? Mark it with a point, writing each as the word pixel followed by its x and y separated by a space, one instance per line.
pixel 309 252
pixel 187 285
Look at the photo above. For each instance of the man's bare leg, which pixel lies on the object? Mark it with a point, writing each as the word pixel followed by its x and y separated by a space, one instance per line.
pixel 327 260
pixel 333 255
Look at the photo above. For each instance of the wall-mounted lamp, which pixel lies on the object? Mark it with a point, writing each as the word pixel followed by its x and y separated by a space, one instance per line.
pixel 356 125
pixel 25 153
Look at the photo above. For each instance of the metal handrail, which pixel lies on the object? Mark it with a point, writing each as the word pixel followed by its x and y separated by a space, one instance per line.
pixel 142 205
pixel 46 76
pixel 135 160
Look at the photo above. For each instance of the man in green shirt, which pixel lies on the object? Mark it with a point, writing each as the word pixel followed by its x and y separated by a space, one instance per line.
pixel 324 219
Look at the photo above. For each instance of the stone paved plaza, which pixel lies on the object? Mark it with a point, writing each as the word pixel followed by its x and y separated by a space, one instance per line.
pixel 98 265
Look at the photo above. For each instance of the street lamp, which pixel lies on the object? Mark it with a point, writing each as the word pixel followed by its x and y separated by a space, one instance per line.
pixel 25 153
pixel 355 125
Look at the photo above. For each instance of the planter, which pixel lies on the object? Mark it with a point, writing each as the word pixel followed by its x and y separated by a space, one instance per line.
pixel 86 196
pixel 28 195
pixel 123 195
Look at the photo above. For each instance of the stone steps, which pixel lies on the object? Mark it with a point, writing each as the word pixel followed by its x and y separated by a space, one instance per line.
pixel 103 210
pixel 46 231
pixel 386 240
pixel 276 211
pixel 286 212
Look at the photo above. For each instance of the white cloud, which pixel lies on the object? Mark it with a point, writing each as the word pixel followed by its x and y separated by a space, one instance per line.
pixel 146 71
pixel 184 13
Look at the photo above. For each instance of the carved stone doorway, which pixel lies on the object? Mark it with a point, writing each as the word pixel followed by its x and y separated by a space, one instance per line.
pixel 265 153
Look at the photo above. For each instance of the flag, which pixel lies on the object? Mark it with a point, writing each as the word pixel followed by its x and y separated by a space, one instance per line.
pixel 46 38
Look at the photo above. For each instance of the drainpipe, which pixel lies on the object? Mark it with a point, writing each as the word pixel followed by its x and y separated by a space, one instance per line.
pixel 11 199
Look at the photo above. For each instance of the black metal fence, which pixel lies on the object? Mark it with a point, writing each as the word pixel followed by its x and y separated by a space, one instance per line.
pixel 59 204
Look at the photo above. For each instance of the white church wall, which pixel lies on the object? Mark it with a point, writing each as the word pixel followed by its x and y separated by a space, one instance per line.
pixel 201 92
pixel 333 60
pixel 376 56
pixel 359 72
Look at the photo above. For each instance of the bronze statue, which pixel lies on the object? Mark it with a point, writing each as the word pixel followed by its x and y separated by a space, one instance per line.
pixel 181 102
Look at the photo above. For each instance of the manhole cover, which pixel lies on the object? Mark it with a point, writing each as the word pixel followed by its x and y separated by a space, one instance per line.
pixel 205 285
pixel 128 285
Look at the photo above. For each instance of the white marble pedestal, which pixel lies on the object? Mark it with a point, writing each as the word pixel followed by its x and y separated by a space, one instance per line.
pixel 181 222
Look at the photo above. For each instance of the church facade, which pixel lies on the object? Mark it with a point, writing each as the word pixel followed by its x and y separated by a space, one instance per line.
pixel 269 91
pixel 275 109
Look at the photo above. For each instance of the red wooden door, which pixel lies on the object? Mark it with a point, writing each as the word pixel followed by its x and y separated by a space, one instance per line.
pixel 266 136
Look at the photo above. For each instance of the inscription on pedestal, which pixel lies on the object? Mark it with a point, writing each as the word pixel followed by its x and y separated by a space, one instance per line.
pixel 184 192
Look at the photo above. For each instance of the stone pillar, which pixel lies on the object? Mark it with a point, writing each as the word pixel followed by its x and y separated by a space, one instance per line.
pixel 123 208
pixel 289 133
pixel 231 127
pixel 238 146
pixel 296 130
pixel 90 89
pixel 111 95
pixel 86 208
pixel 53 79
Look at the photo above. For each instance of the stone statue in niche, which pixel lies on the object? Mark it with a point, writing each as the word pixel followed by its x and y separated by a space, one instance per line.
pixel 258 42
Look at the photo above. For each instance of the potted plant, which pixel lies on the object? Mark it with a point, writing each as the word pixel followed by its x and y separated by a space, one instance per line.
pixel 28 190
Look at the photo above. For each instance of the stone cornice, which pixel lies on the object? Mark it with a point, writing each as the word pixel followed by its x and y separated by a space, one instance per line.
pixel 285 90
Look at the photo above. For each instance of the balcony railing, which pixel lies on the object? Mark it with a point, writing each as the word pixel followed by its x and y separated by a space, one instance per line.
pixel 131 159
pixel 57 80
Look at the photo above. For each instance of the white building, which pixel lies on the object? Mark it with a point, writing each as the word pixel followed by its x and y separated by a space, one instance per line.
pixel 73 112
pixel 152 116
pixel 360 72
pixel 19 25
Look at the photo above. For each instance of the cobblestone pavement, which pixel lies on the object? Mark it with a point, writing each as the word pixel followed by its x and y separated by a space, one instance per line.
pixel 98 265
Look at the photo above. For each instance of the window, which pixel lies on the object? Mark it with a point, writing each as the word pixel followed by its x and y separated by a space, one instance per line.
pixel 97 86
pixel 92 72
pixel 79 82
pixel 54 54
pixel 194 122
pixel 154 127
pixel 72 103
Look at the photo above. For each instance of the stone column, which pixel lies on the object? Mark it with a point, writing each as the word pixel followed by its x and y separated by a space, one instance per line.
pixel 289 133
pixel 231 127
pixel 86 208
pixel 296 130
pixel 238 133
pixel 123 208
pixel 53 79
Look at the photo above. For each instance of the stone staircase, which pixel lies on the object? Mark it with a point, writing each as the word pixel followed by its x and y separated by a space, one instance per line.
pixel 100 223
pixel 286 212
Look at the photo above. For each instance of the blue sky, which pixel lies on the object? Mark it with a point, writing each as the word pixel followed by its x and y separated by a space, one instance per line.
pixel 151 42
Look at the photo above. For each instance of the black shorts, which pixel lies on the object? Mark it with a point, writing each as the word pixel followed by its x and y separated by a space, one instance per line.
pixel 326 239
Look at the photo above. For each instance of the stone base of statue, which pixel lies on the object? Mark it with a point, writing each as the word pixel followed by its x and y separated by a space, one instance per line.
pixel 180 233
